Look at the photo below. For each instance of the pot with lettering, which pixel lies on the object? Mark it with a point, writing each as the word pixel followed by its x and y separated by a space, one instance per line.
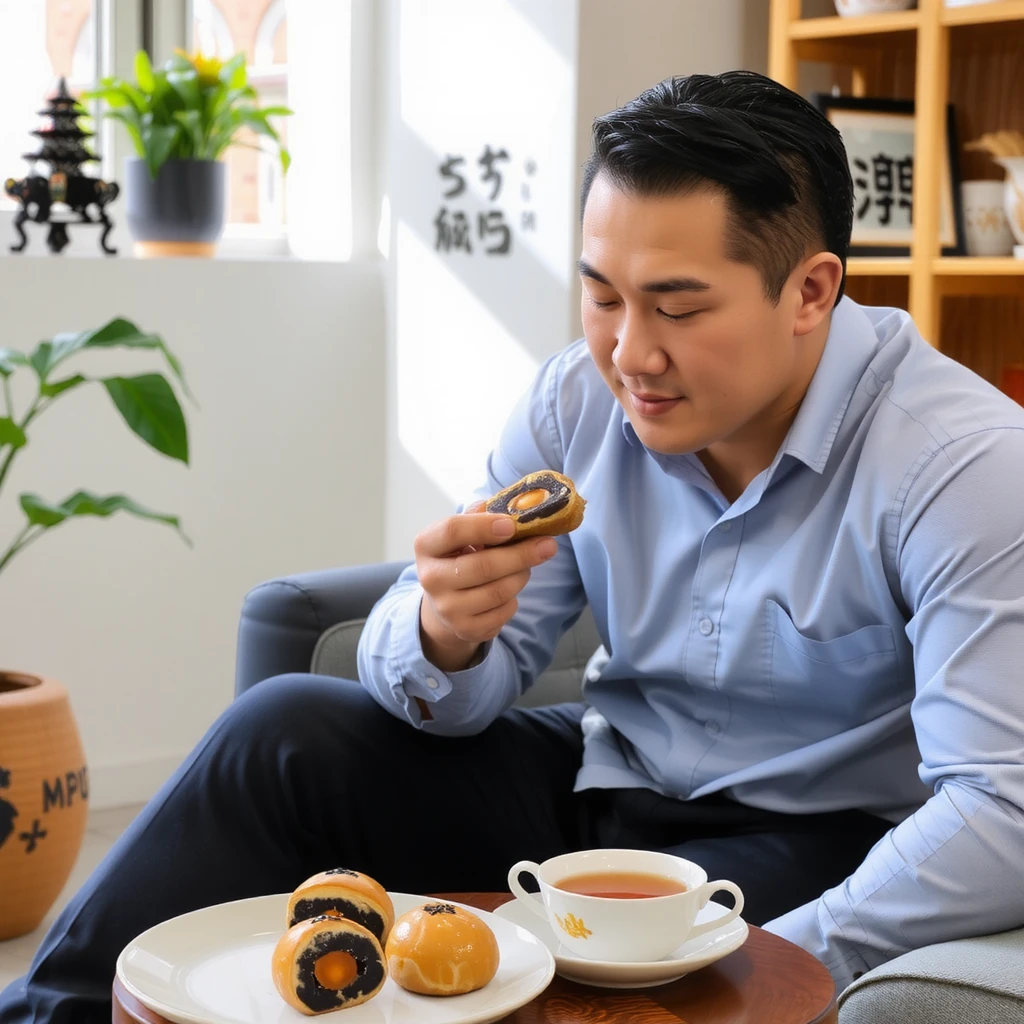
pixel 44 794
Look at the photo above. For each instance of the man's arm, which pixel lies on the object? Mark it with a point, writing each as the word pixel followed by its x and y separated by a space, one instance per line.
pixel 953 868
pixel 392 663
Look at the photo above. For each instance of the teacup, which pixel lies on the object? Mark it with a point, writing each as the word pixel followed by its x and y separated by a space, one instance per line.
pixel 623 930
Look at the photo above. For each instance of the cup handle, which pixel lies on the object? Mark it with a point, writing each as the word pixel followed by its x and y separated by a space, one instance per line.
pixel 707 890
pixel 521 894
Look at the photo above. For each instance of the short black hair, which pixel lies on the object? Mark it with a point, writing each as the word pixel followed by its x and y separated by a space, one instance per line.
pixel 779 160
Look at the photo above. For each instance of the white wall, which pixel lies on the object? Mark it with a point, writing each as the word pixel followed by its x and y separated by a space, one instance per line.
pixel 467 331
pixel 286 360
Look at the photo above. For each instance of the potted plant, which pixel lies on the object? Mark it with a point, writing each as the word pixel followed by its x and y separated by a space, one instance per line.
pixel 44 782
pixel 181 119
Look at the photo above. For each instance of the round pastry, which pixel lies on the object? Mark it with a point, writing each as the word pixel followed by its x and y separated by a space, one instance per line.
pixel 327 963
pixel 440 949
pixel 542 504
pixel 344 893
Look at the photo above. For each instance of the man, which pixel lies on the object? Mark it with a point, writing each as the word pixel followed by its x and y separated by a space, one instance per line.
pixel 802 547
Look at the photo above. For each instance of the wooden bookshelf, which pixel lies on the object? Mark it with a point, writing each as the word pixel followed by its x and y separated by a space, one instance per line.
pixel 972 57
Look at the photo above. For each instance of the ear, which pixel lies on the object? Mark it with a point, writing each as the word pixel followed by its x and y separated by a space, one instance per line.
pixel 821 276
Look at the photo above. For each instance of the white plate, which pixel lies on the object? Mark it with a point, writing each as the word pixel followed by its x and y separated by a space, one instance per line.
pixel 213 967
pixel 689 957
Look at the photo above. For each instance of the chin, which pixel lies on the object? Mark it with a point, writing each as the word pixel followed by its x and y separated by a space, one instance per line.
pixel 669 441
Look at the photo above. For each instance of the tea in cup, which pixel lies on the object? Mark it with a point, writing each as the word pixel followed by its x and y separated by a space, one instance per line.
pixel 626 906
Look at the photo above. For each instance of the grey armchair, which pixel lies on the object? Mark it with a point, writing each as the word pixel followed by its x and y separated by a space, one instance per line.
pixel 312 622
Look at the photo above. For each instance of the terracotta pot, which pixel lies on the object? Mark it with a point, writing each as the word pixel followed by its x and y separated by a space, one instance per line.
pixel 44 793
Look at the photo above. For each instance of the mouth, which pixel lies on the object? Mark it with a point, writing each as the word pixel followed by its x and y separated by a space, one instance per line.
pixel 649 404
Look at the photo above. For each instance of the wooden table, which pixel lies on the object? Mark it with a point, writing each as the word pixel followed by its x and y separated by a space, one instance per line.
pixel 766 981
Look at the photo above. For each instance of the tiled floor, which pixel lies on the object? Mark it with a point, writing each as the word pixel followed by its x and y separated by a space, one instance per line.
pixel 104 827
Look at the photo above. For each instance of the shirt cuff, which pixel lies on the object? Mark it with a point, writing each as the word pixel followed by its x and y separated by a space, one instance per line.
pixel 411 674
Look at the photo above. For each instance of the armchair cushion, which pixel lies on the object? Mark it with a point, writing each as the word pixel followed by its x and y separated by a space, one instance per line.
pixel 968 981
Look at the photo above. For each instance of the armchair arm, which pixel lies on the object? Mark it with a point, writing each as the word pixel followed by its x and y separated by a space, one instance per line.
pixel 283 619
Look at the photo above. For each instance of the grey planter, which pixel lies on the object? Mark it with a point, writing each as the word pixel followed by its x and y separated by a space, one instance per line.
pixel 181 211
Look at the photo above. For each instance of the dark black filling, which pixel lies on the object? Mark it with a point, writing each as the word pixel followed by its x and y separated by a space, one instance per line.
pixel 368 963
pixel 557 499
pixel 341 871
pixel 369 919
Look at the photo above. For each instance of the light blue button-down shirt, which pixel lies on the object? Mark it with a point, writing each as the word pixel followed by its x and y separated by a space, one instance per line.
pixel 849 633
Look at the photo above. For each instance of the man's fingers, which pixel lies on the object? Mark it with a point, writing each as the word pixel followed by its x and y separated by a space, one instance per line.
pixel 479 568
pixel 456 532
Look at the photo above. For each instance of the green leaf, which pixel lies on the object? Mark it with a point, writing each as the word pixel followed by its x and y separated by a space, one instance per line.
pixel 132 122
pixel 58 387
pixel 9 359
pixel 115 333
pixel 83 503
pixel 233 74
pixel 120 333
pixel 191 121
pixel 144 71
pixel 11 434
pixel 277 111
pixel 186 85
pixel 160 140
pixel 150 408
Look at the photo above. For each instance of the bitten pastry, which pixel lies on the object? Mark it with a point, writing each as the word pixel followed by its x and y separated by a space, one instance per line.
pixel 327 963
pixel 542 504
pixel 440 949
pixel 342 892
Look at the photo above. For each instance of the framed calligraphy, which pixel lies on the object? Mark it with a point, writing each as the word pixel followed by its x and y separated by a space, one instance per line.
pixel 879 135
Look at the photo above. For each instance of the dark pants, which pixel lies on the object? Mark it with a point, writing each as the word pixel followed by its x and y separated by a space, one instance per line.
pixel 304 773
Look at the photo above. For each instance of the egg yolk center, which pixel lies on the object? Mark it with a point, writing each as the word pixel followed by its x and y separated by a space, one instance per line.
pixel 336 970
pixel 528 499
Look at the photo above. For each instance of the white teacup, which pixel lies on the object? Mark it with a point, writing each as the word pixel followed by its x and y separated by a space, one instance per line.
pixel 622 930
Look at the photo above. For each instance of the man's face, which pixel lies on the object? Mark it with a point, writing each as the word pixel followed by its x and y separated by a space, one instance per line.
pixel 685 338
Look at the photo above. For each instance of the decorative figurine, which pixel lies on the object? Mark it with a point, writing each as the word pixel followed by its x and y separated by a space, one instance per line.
pixel 63 149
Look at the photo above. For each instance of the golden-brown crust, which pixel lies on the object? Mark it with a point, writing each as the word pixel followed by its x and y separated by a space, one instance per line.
pixel 285 962
pixel 563 520
pixel 440 949
pixel 342 883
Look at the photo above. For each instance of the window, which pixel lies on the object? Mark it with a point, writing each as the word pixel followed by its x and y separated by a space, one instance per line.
pixel 221 28
pixel 40 41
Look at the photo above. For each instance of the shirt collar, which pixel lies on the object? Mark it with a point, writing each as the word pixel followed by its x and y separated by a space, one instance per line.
pixel 849 348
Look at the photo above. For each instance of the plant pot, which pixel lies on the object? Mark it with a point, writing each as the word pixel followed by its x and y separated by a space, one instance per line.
pixel 180 212
pixel 44 793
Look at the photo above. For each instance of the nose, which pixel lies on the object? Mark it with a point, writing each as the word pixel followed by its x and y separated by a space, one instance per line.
pixel 637 353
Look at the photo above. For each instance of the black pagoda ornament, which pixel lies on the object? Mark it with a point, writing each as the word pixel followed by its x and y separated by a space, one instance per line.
pixel 63 148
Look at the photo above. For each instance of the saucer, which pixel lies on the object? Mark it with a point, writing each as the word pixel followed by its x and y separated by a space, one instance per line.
pixel 212 966
pixel 690 956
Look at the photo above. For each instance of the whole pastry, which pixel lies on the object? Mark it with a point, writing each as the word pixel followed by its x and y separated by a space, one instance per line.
pixel 541 504
pixel 441 949
pixel 342 892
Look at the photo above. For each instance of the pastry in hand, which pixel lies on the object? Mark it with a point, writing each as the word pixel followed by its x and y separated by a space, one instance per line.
pixel 342 892
pixel 327 963
pixel 440 949
pixel 542 504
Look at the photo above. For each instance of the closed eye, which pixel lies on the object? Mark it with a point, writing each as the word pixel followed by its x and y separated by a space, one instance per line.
pixel 602 305
pixel 676 317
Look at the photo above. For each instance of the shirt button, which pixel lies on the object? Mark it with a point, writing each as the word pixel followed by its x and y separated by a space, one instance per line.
pixel 726 526
pixel 432 682
pixel 706 626
pixel 712 727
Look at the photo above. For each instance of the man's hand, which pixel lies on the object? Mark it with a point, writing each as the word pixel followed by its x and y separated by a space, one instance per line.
pixel 471 576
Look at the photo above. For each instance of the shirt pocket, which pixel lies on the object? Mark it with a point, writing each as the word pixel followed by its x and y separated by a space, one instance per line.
pixel 821 688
